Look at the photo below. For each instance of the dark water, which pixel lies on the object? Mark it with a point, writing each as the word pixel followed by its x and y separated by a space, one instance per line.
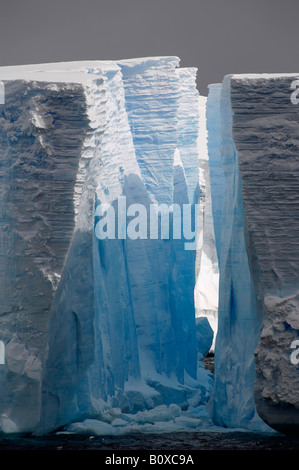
pixel 178 441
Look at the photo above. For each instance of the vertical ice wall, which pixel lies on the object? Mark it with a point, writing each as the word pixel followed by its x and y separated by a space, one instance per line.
pixel 153 91
pixel 217 178
pixel 232 403
pixel 172 90
pixel 40 151
pixel 266 130
pixel 186 192
pixel 189 127
pixel 98 348
pixel 257 141
pixel 109 316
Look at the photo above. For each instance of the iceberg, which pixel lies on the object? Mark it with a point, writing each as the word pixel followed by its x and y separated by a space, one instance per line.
pixel 233 402
pixel 142 227
pixel 269 168
pixel 254 176
pixel 93 323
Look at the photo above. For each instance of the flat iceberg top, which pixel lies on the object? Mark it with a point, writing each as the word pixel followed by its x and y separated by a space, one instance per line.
pixel 69 66
pixel 171 61
pixel 262 76
pixel 75 71
pixel 80 71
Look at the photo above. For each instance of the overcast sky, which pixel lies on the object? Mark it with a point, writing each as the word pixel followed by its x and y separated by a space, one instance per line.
pixel 216 36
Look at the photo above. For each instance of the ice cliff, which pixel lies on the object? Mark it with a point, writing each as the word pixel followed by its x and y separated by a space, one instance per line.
pixel 105 312
pixel 253 147
pixel 99 328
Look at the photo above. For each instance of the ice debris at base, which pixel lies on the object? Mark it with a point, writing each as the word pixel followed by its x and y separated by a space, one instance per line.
pixel 162 419
pixel 87 321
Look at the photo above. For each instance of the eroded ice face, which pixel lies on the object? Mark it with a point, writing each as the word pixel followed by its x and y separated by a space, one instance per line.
pixel 90 324
pixel 258 145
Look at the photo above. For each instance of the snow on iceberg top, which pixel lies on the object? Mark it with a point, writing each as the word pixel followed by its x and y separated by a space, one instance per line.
pixel 150 61
pixel 80 71
pixel 262 76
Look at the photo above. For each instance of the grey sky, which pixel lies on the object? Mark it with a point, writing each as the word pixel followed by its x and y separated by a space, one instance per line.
pixel 216 36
